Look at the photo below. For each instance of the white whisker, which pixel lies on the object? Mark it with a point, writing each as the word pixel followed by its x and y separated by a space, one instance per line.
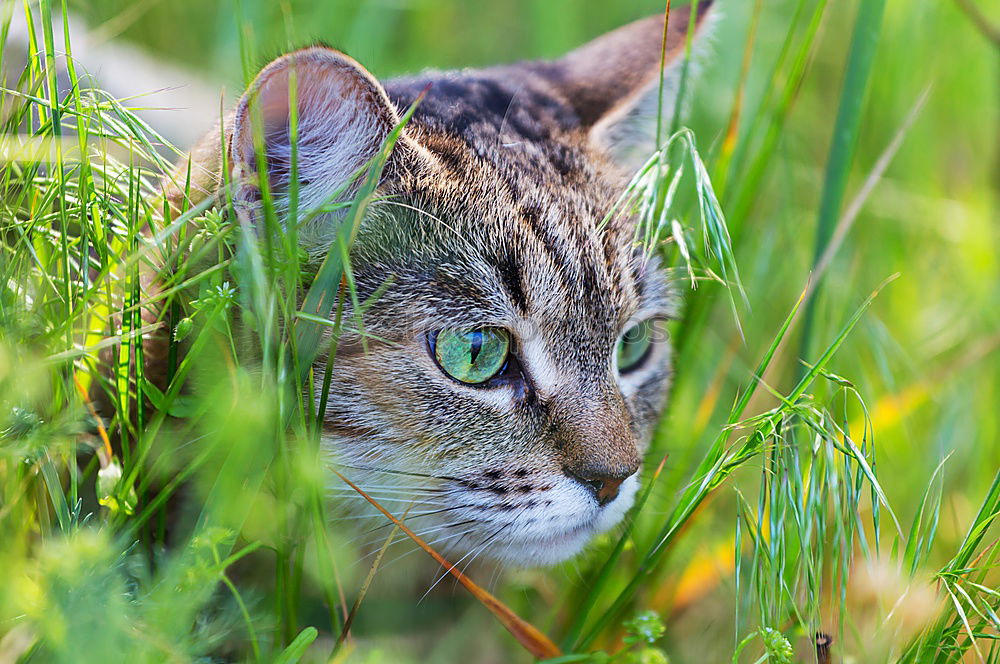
pixel 474 553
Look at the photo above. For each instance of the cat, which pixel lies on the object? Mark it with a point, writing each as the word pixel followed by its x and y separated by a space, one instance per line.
pixel 517 361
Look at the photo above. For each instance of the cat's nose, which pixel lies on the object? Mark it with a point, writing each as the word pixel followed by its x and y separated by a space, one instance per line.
pixel 604 483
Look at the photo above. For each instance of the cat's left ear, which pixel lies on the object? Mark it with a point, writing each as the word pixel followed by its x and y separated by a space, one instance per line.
pixel 343 116
pixel 613 82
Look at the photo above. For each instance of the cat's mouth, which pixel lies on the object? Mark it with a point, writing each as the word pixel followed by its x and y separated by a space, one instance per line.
pixel 538 530
pixel 522 518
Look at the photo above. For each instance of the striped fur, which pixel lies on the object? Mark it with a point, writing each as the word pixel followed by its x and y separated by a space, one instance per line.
pixel 489 215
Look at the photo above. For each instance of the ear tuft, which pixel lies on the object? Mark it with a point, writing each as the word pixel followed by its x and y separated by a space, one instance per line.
pixel 343 116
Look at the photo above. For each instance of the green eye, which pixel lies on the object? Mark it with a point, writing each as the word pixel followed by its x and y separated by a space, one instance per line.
pixel 634 345
pixel 471 357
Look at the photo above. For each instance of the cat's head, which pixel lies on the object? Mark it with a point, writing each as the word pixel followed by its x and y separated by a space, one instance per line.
pixel 513 359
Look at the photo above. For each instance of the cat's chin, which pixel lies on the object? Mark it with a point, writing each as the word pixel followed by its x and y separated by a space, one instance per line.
pixel 545 552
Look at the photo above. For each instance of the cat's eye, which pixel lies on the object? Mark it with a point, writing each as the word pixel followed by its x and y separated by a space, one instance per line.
pixel 471 356
pixel 633 346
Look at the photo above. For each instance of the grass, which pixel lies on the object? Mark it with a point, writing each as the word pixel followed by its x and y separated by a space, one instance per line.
pixel 848 493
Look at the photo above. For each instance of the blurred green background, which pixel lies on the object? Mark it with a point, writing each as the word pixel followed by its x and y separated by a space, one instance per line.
pixel 926 357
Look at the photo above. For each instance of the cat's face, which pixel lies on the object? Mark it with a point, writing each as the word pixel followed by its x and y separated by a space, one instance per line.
pixel 513 358
pixel 518 357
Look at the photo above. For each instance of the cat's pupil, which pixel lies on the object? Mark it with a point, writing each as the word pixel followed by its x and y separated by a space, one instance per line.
pixel 475 345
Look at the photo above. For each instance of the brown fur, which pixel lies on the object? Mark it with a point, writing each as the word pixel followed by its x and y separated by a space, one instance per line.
pixel 489 216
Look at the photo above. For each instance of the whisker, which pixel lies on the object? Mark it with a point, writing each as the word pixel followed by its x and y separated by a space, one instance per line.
pixel 446 525
pixel 509 523
pixel 390 471
pixel 432 544
pixel 393 490
pixel 383 526
pixel 475 552
pixel 422 514
pixel 399 486
pixel 421 536
pixel 500 567
pixel 388 499
pixel 412 515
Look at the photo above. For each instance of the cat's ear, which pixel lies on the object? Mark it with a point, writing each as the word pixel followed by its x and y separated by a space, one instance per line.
pixel 613 82
pixel 343 117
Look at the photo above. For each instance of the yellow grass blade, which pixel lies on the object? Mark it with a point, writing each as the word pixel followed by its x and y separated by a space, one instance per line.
pixel 526 634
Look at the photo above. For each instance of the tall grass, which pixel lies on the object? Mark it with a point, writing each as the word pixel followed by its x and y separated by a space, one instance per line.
pixel 800 515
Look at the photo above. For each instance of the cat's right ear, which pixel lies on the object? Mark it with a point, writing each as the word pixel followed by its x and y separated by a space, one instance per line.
pixel 343 117
pixel 613 82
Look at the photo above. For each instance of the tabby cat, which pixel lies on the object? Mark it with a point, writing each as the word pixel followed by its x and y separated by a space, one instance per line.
pixel 518 360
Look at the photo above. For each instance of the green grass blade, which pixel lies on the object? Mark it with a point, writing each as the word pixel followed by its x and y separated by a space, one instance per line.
pixel 322 294
pixel 861 59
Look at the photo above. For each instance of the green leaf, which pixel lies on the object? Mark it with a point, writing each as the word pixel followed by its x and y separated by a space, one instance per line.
pixel 293 653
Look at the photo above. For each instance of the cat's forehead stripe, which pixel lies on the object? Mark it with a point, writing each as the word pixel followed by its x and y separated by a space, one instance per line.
pixel 570 275
pixel 508 265
pixel 553 246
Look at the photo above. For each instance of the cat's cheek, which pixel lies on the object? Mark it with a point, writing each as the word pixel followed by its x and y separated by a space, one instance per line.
pixel 499 400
